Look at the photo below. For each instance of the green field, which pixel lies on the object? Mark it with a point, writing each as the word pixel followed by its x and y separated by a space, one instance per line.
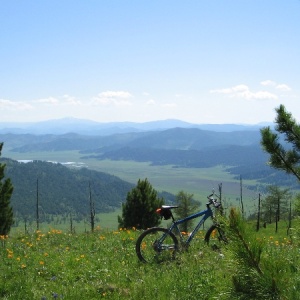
pixel 107 221
pixel 197 181
pixel 54 264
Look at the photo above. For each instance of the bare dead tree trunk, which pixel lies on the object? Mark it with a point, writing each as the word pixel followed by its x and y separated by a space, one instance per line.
pixel 290 219
pixel 241 188
pixel 258 214
pixel 25 225
pixel 92 209
pixel 37 206
pixel 71 224
pixel 220 197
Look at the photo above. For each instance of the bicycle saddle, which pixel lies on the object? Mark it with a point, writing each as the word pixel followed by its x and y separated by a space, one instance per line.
pixel 169 206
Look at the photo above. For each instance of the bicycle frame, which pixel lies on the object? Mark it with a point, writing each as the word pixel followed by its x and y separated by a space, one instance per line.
pixel 207 213
pixel 158 243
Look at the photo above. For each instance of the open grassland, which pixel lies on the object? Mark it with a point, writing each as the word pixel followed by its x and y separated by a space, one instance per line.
pixel 102 265
pixel 60 156
pixel 196 181
pixel 105 220
pixel 54 264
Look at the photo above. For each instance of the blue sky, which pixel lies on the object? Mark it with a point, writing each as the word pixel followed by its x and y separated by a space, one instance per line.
pixel 200 61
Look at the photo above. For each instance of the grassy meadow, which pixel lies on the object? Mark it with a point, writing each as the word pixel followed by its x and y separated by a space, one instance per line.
pixel 196 181
pixel 105 220
pixel 55 264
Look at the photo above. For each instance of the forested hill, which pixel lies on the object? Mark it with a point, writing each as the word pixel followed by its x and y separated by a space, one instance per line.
pixel 62 190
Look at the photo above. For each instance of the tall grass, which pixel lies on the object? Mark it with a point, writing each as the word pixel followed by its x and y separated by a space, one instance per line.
pixel 54 264
pixel 268 267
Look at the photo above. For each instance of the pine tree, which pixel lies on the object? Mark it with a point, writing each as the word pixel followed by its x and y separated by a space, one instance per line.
pixel 139 209
pixel 6 212
pixel 187 206
pixel 297 204
pixel 283 157
pixel 276 204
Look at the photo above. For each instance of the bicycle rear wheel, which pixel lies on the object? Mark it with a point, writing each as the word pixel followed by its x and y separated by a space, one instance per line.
pixel 216 237
pixel 156 245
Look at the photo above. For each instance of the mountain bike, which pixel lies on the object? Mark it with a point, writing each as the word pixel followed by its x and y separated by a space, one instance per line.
pixel 158 244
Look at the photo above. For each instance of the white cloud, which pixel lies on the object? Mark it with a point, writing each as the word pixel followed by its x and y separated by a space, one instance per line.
pixel 64 100
pixel 282 87
pixel 268 83
pixel 115 98
pixel 115 94
pixel 49 100
pixel 243 91
pixel 263 95
pixel 71 100
pixel 14 105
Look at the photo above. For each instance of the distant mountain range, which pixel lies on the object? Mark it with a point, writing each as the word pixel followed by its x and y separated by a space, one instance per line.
pixel 88 127
pixel 186 139
pixel 239 150
pixel 169 142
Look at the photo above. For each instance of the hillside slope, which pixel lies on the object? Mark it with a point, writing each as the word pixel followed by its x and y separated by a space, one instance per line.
pixel 62 190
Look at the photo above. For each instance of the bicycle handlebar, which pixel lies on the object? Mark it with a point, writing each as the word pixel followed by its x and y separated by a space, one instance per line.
pixel 213 201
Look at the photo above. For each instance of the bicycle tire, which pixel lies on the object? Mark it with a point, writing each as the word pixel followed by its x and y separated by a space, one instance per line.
pixel 149 251
pixel 216 237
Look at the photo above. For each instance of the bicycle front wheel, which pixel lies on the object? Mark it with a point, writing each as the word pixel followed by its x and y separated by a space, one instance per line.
pixel 215 236
pixel 156 245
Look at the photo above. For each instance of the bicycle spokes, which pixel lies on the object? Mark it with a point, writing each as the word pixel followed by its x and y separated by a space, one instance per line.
pixel 156 245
